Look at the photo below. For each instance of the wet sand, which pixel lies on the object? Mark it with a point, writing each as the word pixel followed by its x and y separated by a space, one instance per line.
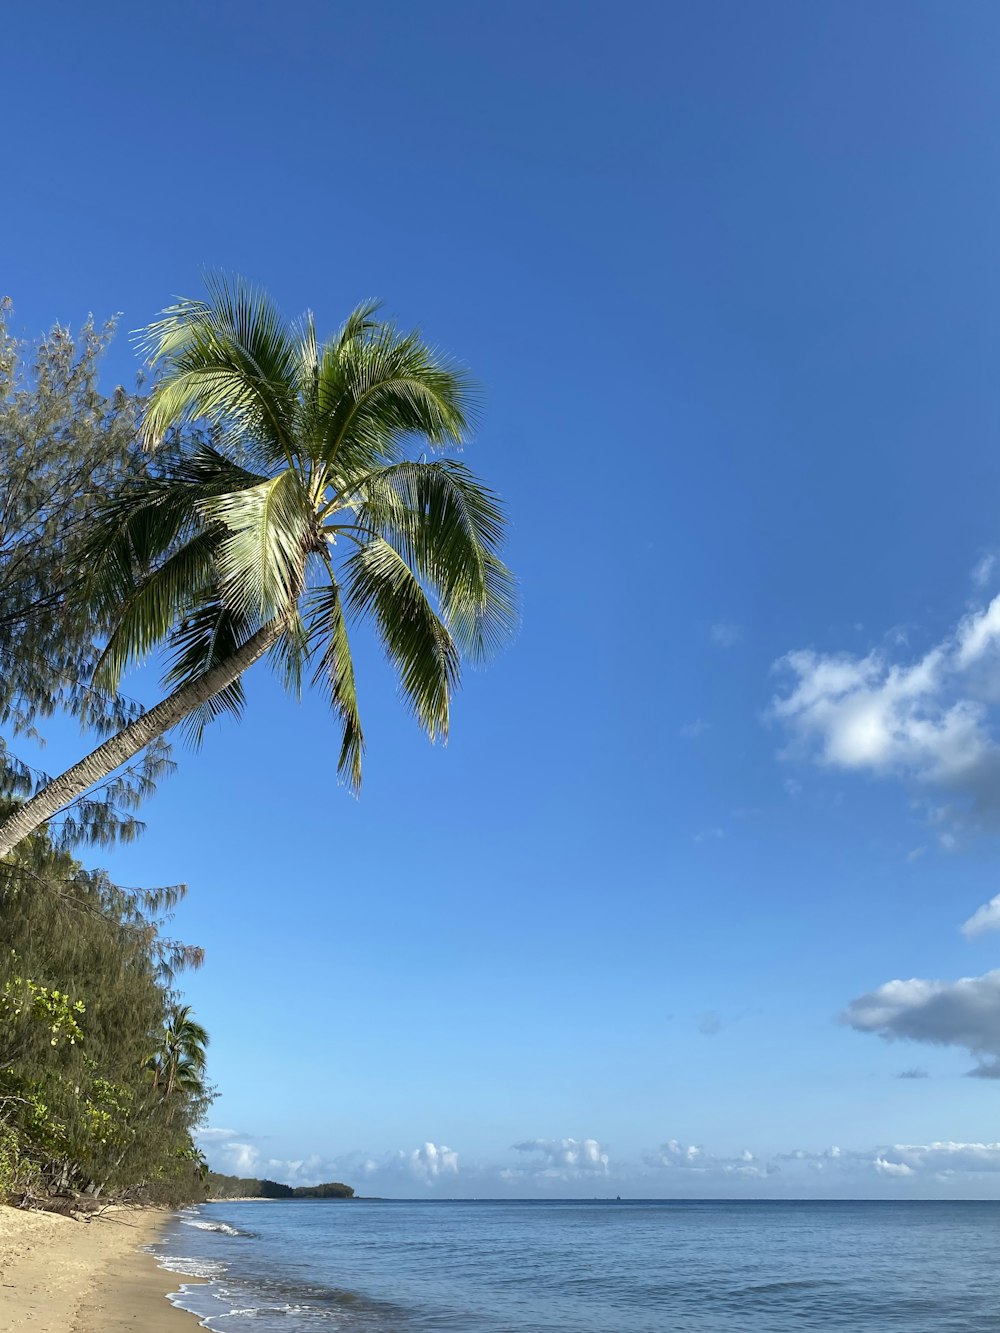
pixel 61 1276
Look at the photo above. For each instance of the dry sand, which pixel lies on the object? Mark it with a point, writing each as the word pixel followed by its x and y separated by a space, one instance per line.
pixel 61 1276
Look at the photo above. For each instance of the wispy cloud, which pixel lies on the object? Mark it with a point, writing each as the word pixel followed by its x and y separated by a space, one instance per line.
pixel 913 1073
pixel 831 1170
pixel 985 570
pixel 724 634
pixel 675 1156
pixel 692 730
pixel 713 834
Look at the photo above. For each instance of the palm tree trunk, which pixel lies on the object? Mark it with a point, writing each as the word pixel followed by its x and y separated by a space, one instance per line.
pixel 119 749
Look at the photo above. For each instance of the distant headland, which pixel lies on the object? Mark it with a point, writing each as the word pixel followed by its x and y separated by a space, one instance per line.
pixel 239 1187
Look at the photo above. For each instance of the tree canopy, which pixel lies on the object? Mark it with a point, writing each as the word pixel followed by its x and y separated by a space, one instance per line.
pixel 308 507
pixel 65 448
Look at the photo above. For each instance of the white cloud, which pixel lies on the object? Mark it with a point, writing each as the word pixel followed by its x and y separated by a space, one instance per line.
pixel 963 1013
pixel 211 1134
pixel 582 1167
pixel 899 1161
pixel 241 1159
pixel 982 919
pixel 430 1161
pixel 978 634
pixel 425 1166
pixel 676 1156
pixel 888 1168
pixel 724 634
pixel 237 1154
pixel 928 720
pixel 939 1159
pixel 565 1158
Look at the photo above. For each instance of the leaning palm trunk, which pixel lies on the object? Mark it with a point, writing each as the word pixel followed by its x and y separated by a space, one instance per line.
pixel 119 749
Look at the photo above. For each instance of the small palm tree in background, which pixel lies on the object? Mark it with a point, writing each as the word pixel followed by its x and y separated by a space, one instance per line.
pixel 300 507
pixel 180 1063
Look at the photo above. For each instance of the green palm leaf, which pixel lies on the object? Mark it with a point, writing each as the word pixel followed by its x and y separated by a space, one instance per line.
pixel 335 673
pixel 450 528
pixel 229 360
pixel 152 609
pixel 418 644
pixel 270 530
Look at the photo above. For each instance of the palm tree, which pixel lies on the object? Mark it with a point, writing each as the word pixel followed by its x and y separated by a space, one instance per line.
pixel 293 504
pixel 179 1065
pixel 182 1054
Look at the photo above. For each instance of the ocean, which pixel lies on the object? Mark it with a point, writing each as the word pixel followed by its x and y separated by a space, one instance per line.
pixel 581 1267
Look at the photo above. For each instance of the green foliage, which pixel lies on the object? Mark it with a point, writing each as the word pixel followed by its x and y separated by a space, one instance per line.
pixel 333 1189
pixel 20 997
pixel 87 1009
pixel 64 448
pixel 17 1174
pixel 86 1018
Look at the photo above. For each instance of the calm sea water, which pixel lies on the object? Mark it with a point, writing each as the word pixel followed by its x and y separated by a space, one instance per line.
pixel 664 1267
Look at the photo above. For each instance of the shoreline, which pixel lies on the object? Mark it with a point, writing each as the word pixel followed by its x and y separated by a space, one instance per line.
pixel 62 1276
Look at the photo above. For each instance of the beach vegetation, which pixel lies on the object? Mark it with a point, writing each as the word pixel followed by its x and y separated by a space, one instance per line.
pixel 101 1070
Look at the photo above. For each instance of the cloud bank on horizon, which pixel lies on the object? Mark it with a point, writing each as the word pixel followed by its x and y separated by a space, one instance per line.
pixel 571 1167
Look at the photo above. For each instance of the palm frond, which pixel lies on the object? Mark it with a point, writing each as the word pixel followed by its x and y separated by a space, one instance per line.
pixel 381 388
pixel 208 635
pixel 269 532
pixel 358 325
pixel 230 360
pixel 136 528
pixel 418 644
pixel 450 527
pixel 158 602
pixel 291 653
pixel 150 553
pixel 335 673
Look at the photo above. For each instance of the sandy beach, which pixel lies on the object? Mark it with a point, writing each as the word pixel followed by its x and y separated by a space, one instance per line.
pixel 61 1276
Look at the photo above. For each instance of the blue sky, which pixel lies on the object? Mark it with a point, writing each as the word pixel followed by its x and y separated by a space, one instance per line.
pixel 729 276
